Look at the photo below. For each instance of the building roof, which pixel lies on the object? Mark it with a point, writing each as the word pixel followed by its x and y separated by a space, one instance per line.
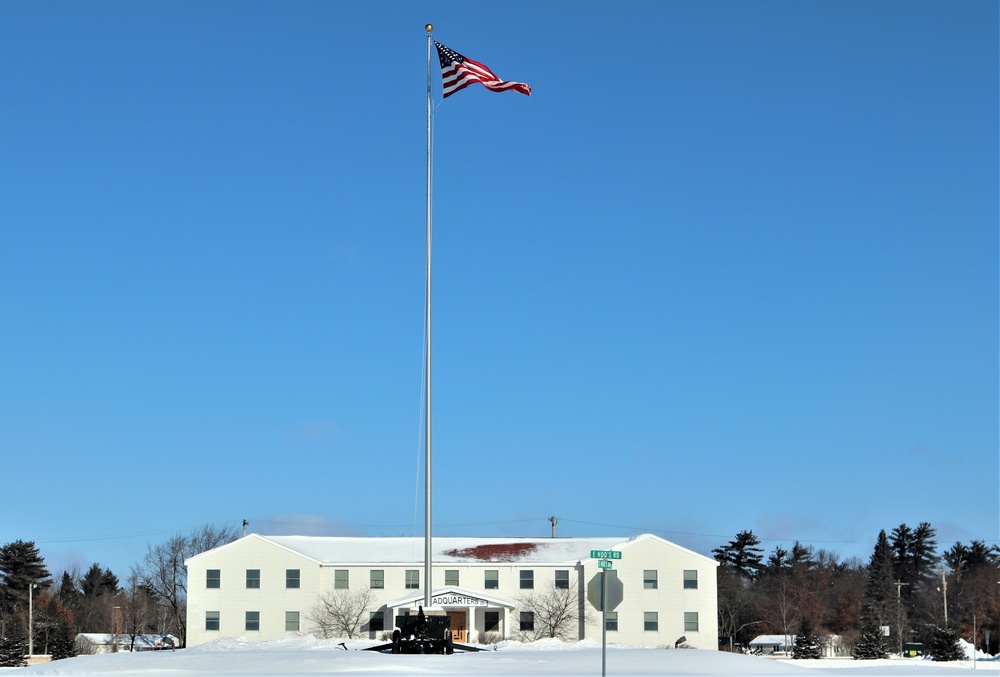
pixel 772 640
pixel 124 639
pixel 779 640
pixel 346 550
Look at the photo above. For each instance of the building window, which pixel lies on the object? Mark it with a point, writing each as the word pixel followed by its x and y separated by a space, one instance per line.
pixel 253 621
pixel 412 579
pixel 211 620
pixel 562 579
pixel 213 578
pixel 690 621
pixel 291 621
pixel 253 578
pixel 492 579
pixel 527 579
pixel 649 579
pixel 690 579
pixel 291 578
pixel 376 579
pixel 611 621
pixel 491 621
pixel 341 579
pixel 528 621
pixel 650 621
pixel 451 576
pixel 376 622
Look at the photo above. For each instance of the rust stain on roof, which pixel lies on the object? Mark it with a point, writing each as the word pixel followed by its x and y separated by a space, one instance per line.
pixel 494 552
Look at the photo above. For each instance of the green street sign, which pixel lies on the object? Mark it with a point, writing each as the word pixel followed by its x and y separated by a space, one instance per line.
pixel 606 554
pixel 604 564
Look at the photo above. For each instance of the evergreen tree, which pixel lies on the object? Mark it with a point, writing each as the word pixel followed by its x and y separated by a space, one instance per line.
pixel 742 554
pixel 13 647
pixel 98 581
pixel 914 561
pixel 872 643
pixel 807 643
pixel 69 593
pixel 878 606
pixel 63 641
pixel 924 553
pixel 902 556
pixel 777 562
pixel 945 646
pixel 20 566
pixel 879 599
pixel 802 557
pixel 963 559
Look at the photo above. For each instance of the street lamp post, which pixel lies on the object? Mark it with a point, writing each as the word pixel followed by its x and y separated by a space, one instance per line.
pixel 899 614
pixel 31 618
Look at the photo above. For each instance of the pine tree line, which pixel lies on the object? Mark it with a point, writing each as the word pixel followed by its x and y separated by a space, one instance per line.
pixel 876 608
pixel 152 599
pixel 896 598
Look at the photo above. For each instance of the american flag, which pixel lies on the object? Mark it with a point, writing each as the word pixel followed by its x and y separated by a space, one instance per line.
pixel 459 72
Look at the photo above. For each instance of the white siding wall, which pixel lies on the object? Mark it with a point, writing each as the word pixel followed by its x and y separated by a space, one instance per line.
pixel 669 600
pixel 232 599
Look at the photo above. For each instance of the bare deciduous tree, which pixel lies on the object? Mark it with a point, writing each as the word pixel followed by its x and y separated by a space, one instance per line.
pixel 138 610
pixel 163 575
pixel 737 600
pixel 557 614
pixel 342 613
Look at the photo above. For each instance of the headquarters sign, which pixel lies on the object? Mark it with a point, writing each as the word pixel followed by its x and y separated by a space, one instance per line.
pixel 458 600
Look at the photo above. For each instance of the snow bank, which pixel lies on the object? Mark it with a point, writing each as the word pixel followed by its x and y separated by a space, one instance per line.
pixel 311 656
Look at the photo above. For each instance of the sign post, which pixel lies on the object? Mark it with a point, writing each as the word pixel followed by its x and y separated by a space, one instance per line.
pixel 604 622
pixel 605 594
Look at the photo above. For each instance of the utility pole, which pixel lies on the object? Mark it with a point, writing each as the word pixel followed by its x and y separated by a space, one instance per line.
pixel 554 521
pixel 974 640
pixel 944 592
pixel 116 616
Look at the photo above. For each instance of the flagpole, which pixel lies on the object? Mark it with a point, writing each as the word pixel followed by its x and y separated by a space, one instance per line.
pixel 427 356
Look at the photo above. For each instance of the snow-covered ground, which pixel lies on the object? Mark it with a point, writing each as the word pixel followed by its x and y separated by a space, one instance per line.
pixel 310 656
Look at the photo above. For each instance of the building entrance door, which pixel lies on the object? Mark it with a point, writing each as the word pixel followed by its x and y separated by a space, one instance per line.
pixel 458 630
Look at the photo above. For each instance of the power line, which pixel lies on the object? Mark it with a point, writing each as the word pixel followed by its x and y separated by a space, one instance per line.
pixel 333 527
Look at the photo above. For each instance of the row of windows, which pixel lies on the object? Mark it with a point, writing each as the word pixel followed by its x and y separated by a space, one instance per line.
pixel 252 621
pixel 491 579
pixel 213 578
pixel 650 579
pixel 376 621
pixel 650 621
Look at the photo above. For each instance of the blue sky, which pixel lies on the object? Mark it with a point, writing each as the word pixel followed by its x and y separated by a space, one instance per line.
pixel 731 266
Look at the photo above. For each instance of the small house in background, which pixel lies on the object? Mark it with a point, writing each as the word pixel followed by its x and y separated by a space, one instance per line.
pixel 782 645
pixel 772 645
pixel 104 642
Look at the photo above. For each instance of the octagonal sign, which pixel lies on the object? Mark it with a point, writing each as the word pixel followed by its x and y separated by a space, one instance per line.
pixel 615 590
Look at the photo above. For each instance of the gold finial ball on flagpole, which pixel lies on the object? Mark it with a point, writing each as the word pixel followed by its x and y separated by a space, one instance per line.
pixel 428 28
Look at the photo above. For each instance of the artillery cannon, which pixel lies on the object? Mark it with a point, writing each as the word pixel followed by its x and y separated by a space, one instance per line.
pixel 422 634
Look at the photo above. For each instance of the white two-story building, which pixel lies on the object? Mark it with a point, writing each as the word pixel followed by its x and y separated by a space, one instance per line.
pixel 266 587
